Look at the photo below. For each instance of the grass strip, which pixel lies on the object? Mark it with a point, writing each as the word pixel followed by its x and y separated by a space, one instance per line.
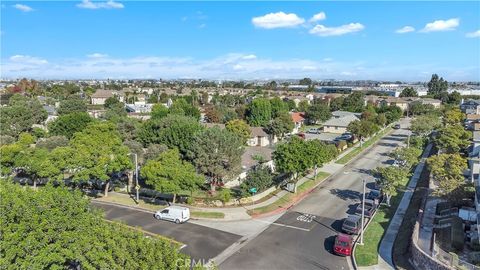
pixel 287 199
pixel 345 159
pixel 127 200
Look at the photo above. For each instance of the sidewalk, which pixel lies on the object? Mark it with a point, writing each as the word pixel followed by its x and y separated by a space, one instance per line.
pixel 385 260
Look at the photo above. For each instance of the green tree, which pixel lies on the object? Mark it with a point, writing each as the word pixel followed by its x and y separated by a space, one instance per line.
pixel 452 139
pixel 392 113
pixel 408 156
pixel 389 178
pixel 99 152
pixel 20 114
pixel 454 98
pixel 66 125
pixel 281 125
pixel 217 154
pixel 9 154
pixel 362 129
pixel 381 120
pixel 260 178
pixel 425 124
pixel 318 112
pixel 169 174
pixel 320 153
pixel 57 228
pixel 239 128
pixel 355 102
pixel 418 108
pixel 278 107
pixel 173 131
pixel 453 117
pixel 303 106
pixel 292 157
pixel 36 163
pixel 116 112
pixel 336 104
pixel 409 92
pixel 305 81
pixel 52 142
pixel 447 170
pixel 259 112
pixel 181 107
pixel 111 102
pixel 71 105
pixel 437 86
pixel 159 111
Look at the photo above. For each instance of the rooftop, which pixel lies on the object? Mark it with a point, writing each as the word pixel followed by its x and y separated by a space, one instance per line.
pixel 341 122
pixel 248 157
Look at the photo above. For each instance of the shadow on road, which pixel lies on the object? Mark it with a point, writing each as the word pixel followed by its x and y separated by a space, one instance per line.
pixel 346 194
pixel 399 135
pixel 391 138
pixel 388 144
pixel 328 243
pixel 351 209
pixel 337 225
pixel 365 171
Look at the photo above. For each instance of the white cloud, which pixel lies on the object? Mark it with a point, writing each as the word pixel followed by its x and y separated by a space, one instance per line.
pixel 324 31
pixel 277 20
pixel 405 29
pixel 23 8
pixel 441 25
pixel 97 55
pixel 26 59
pixel 110 4
pixel 249 57
pixel 318 17
pixel 203 25
pixel 473 34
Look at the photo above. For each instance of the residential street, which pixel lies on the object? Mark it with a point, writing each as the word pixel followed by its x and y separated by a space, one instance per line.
pixel 203 243
pixel 303 237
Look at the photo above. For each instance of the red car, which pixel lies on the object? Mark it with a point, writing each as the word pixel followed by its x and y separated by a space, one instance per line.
pixel 343 245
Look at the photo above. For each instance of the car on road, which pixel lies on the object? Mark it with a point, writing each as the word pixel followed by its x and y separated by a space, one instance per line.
pixel 343 245
pixel 177 214
pixel 397 126
pixel 314 130
pixel 351 224
pixel 370 207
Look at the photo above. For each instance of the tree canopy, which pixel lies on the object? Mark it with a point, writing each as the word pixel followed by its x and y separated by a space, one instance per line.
pixel 259 112
pixel 409 92
pixel 447 170
pixel 20 114
pixel 239 128
pixel 318 112
pixel 72 105
pixel 66 125
pixel 437 85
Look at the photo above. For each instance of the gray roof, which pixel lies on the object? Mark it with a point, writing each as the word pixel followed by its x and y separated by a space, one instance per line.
pixel 341 122
pixel 257 132
pixel 50 110
pixel 248 160
pixel 338 114
pixel 212 125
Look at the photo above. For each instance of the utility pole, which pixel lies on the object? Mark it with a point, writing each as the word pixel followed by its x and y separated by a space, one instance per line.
pixel 363 212
pixel 137 187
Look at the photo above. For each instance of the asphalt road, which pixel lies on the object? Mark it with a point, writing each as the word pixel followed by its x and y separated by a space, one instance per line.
pixel 303 237
pixel 203 243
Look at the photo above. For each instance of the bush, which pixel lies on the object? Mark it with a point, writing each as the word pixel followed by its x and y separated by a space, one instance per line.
pixel 224 195
pixel 418 141
pixel 259 178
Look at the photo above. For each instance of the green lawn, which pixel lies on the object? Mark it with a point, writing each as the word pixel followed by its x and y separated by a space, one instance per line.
pixel 201 214
pixel 368 253
pixel 127 200
pixel 345 159
pixel 287 199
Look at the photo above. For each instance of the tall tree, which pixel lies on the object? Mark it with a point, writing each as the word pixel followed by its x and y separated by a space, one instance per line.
pixel 437 86
pixel 239 128
pixel 99 152
pixel 453 117
pixel 409 92
pixel 217 154
pixel 278 107
pixel 71 105
pixel 389 178
pixel 292 157
pixel 169 174
pixel 259 112
pixel 362 129
pixel 355 102
pixel 67 125
pixel 20 114
pixel 281 125
pixel 425 124
pixel 452 139
pixel 158 111
pixel 318 112
pixel 36 162
pixel 447 171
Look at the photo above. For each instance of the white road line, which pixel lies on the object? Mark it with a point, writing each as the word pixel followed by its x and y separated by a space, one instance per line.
pixel 283 225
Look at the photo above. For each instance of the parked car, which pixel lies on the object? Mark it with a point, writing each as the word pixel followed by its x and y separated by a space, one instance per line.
pixel 352 224
pixel 370 207
pixel 397 126
pixel 177 214
pixel 375 195
pixel 301 135
pixel 343 245
pixel 314 130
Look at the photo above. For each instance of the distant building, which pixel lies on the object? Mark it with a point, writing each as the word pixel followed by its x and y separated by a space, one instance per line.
pixel 258 137
pixel 470 106
pixel 339 125
pixel 100 96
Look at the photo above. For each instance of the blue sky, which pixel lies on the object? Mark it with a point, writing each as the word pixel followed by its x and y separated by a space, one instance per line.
pixel 249 40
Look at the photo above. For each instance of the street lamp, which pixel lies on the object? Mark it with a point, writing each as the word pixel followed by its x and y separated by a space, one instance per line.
pixel 137 187
pixel 363 211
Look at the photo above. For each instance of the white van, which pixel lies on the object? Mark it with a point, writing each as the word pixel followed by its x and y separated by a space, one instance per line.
pixel 177 214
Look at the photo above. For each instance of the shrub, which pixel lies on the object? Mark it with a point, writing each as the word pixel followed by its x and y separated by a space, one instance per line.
pixel 259 178
pixel 224 195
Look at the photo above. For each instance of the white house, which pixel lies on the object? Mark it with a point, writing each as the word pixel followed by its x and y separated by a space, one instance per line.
pixel 258 137
pixel 100 96
pixel 338 125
